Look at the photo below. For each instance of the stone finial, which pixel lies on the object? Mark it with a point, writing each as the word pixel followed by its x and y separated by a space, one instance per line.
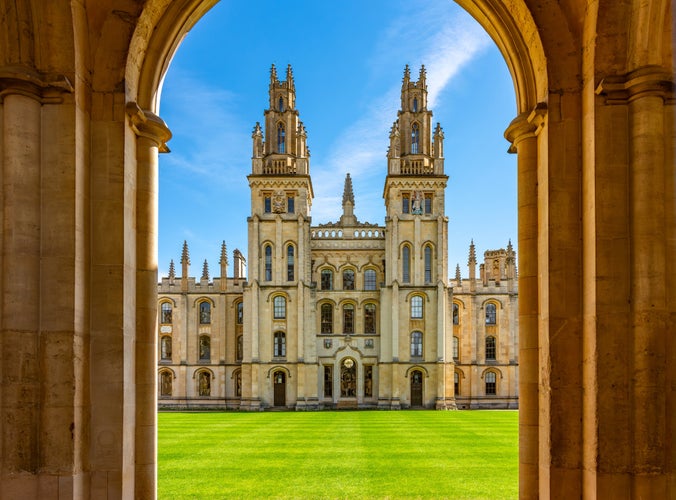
pixel 289 76
pixel 348 194
pixel 273 75
pixel 472 254
pixel 224 254
pixel 185 255
pixel 172 270
pixel 407 76
pixel 458 277
pixel 205 270
pixel 422 77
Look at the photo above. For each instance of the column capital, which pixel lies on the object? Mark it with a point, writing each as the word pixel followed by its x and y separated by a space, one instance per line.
pixel 25 80
pixel 645 81
pixel 147 124
pixel 525 125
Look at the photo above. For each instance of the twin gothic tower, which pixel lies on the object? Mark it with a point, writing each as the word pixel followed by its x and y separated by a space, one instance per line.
pixel 347 314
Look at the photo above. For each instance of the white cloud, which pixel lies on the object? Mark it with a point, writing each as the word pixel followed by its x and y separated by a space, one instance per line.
pixel 445 48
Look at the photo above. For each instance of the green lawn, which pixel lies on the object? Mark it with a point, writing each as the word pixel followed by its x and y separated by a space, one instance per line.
pixel 365 454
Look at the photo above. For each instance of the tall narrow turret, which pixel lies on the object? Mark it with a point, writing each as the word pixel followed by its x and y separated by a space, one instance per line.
pixel 348 218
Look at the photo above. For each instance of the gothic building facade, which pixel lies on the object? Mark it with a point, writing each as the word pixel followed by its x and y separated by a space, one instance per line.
pixel 346 314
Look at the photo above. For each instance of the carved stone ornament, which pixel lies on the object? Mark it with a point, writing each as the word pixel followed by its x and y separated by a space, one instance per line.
pixel 279 202
pixel 417 203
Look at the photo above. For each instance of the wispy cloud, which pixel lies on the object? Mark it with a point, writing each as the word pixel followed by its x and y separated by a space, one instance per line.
pixel 444 46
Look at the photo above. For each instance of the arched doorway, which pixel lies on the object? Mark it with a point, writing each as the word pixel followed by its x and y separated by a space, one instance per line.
pixel 416 389
pixel 279 389
pixel 348 378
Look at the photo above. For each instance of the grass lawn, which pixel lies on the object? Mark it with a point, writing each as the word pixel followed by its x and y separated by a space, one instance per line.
pixel 365 454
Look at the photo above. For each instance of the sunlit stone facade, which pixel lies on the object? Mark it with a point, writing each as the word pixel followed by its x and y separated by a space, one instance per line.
pixel 346 314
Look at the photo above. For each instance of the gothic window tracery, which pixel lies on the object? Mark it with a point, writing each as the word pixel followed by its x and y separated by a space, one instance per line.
pixel 281 138
pixel 326 318
pixel 348 318
pixel 415 139
pixel 205 313
pixel 268 263
pixel 348 279
pixel 370 318
pixel 490 314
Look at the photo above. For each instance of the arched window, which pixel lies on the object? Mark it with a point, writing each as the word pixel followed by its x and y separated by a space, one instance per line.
pixel 370 318
pixel 348 378
pixel 205 348
pixel 348 279
pixel 415 104
pixel 416 307
pixel 165 348
pixel 279 347
pixel 166 383
pixel 240 313
pixel 327 279
pixel 490 348
pixel 456 349
pixel 289 263
pixel 165 313
pixel 490 383
pixel 279 307
pixel 281 138
pixel 326 318
pixel 428 264
pixel 205 313
pixel 456 314
pixel 490 314
pixel 416 345
pixel 415 139
pixel 348 318
pixel 280 104
pixel 456 383
pixel 369 279
pixel 268 263
pixel 406 264
pixel 204 383
pixel 240 347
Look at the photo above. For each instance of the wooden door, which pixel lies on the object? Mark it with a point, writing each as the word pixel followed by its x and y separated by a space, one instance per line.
pixel 416 388
pixel 280 389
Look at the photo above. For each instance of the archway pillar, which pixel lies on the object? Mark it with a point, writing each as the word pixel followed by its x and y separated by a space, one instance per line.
pixel 523 133
pixel 152 135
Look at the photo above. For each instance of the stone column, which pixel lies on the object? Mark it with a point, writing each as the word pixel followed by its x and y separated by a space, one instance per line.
pixel 523 134
pixel 152 135
pixel 20 369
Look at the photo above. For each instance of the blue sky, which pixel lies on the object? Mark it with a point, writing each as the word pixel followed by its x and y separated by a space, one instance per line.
pixel 348 60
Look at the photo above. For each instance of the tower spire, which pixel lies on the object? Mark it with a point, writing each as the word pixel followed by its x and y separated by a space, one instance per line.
pixel 205 270
pixel 348 218
pixel 185 262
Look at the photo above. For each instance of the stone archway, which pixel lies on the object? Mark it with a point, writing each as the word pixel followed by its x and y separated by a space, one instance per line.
pixel 80 86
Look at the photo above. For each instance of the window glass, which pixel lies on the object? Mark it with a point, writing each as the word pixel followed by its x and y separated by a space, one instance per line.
pixel 369 279
pixel 490 348
pixel 240 313
pixel 290 263
pixel 416 307
pixel 490 383
pixel 166 382
pixel 405 203
pixel 456 343
pixel 370 318
pixel 428 264
pixel 348 318
pixel 368 381
pixel 327 279
pixel 240 347
pixel 428 203
pixel 348 279
pixel 490 314
pixel 328 381
pixel 416 344
pixel 166 313
pixel 406 264
pixel 267 202
pixel 456 314
pixel 326 318
pixel 281 139
pixel 279 307
pixel 290 204
pixel 165 348
pixel 456 383
pixel 205 313
pixel 415 139
pixel 268 263
pixel 280 345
